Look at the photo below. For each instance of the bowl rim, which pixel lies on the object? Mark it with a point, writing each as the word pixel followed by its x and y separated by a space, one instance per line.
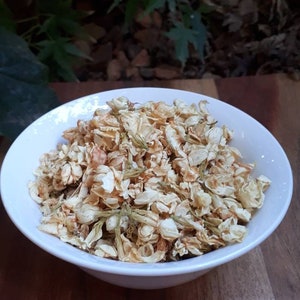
pixel 151 269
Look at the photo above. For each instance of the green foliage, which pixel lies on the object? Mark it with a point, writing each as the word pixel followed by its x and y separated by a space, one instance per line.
pixel 190 31
pixel 24 90
pixel 182 36
pixel 59 55
pixel 151 5
pixel 185 23
pixel 6 19
pixel 60 19
pixel 50 33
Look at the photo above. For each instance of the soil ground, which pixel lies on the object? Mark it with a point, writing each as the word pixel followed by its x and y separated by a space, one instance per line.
pixel 243 40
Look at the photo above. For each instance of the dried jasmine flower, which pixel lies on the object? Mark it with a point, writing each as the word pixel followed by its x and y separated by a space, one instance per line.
pixel 152 183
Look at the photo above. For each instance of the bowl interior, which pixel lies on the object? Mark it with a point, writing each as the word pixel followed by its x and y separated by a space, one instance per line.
pixel 254 141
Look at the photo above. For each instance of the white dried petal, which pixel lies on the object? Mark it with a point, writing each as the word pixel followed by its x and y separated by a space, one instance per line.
pixel 146 233
pixel 221 185
pixel 215 136
pixel 264 182
pixel 174 141
pixel 193 120
pixel 72 202
pixel 148 255
pixel 95 234
pixel 201 198
pixel 160 110
pixel 183 209
pixel 86 214
pixel 168 229
pixel 66 174
pixel 147 197
pixel 159 208
pixel 118 104
pixel 51 228
pixel 130 121
pixel 230 231
pixel 124 223
pixel 125 248
pixel 147 184
pixel 105 177
pixel 179 249
pixel 185 110
pixel 145 217
pixel 111 223
pixel 34 192
pixel 193 245
pixel 188 173
pixel 112 202
pixel 251 195
pixel 234 206
pixel 73 240
pixel 106 250
pixel 197 156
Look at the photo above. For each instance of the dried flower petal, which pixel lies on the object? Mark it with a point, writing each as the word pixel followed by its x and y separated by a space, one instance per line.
pixel 147 184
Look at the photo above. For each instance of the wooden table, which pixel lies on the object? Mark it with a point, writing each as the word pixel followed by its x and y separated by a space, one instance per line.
pixel 270 271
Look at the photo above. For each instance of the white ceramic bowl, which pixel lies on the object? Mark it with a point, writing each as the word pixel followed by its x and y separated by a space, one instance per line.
pixel 254 141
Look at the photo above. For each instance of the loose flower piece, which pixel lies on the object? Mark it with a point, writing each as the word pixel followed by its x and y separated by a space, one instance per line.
pixel 152 183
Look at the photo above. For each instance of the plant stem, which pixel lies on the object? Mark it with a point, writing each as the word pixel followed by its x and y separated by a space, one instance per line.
pixel 27 35
pixel 28 19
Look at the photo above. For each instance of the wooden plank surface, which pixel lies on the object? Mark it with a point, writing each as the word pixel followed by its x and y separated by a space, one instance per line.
pixel 270 271
pixel 204 86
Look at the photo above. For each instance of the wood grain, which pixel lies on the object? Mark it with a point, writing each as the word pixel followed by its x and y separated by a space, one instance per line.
pixel 281 251
pixel 257 96
pixel 270 271
pixel 205 86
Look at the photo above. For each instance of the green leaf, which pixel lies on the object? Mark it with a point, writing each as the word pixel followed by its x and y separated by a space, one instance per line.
pixel 24 90
pixel 59 55
pixel 64 66
pixel 151 5
pixel 16 61
pixel 115 4
pixel 72 28
pixel 50 27
pixel 61 19
pixel 73 50
pixel 58 26
pixel 200 39
pixel 46 49
pixel 6 17
pixel 186 12
pixel 172 5
pixel 53 54
pixel 206 8
pixel 131 10
pixel 55 7
pixel 182 36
